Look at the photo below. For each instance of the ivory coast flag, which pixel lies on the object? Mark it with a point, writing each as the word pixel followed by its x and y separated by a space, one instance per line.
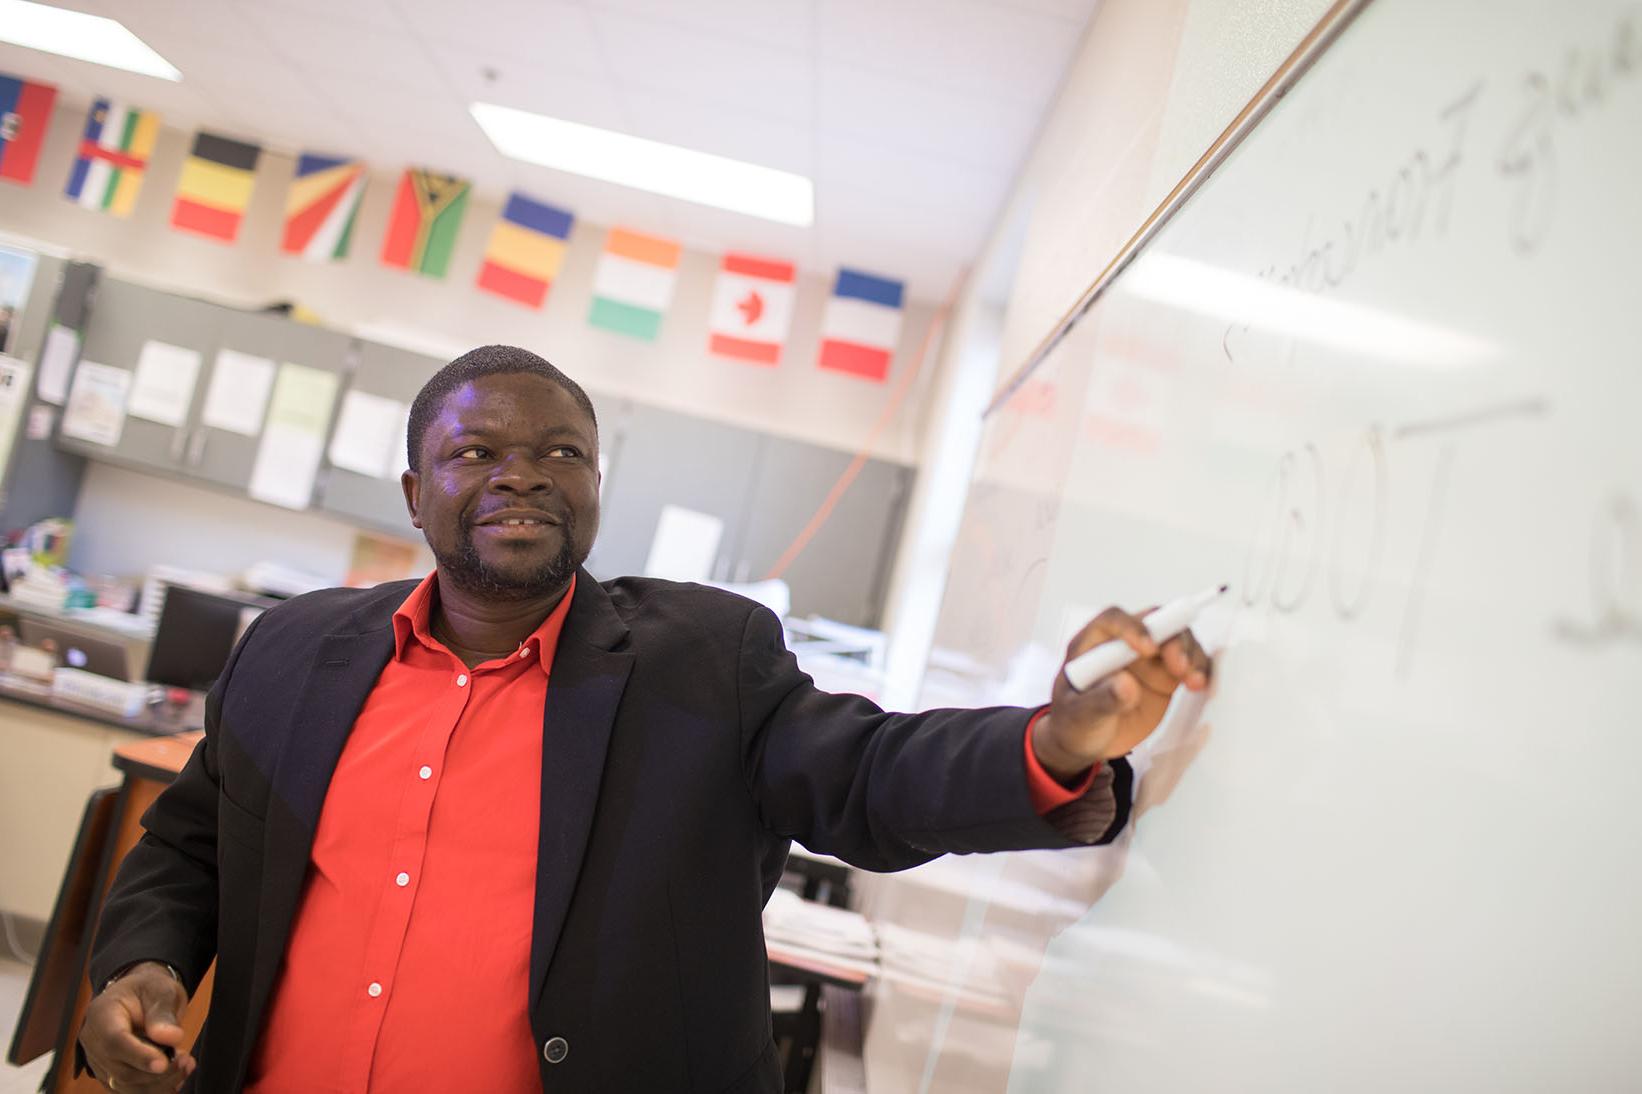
pixel 320 209
pixel 113 156
pixel 633 283
pixel 427 212
pixel 752 308
pixel 215 186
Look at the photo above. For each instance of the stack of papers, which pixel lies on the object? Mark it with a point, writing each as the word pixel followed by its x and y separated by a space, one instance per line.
pixel 790 919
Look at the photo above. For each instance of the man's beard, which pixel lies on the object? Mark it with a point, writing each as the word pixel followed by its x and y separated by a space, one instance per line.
pixel 470 573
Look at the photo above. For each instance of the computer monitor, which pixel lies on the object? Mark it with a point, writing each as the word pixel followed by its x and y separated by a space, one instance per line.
pixel 196 633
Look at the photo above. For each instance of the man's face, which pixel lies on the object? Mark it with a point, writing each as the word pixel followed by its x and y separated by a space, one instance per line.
pixel 508 494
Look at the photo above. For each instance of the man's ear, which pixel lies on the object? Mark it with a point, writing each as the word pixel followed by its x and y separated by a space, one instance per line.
pixel 411 483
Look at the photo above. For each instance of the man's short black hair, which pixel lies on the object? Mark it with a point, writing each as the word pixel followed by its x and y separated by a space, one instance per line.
pixel 484 361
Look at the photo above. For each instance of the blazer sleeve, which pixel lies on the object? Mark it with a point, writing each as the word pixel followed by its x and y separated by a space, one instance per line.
pixel 163 903
pixel 887 791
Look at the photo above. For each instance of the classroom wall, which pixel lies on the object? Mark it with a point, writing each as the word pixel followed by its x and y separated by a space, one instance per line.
pixel 446 317
pixel 1154 83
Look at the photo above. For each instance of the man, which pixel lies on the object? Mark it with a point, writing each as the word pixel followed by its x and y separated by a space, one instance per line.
pixel 509 828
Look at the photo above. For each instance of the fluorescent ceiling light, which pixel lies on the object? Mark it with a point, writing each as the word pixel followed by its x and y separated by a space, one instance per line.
pixel 83 37
pixel 649 165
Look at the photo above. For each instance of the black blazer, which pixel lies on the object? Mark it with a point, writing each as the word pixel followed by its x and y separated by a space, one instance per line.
pixel 685 749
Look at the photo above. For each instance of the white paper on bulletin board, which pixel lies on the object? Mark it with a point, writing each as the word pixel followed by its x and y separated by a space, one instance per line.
pixel 57 357
pixel 162 389
pixel 96 404
pixel 367 432
pixel 14 388
pixel 293 441
pixel 238 396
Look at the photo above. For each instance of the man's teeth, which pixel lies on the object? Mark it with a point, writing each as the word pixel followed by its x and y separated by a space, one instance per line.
pixel 522 521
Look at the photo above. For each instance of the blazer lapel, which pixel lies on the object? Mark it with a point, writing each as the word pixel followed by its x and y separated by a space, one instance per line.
pixel 583 693
pixel 340 677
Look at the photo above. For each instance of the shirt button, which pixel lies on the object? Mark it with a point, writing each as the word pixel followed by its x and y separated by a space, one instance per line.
pixel 556 1049
pixel 402 880
pixel 462 680
pixel 374 990
pixel 525 652
pixel 425 773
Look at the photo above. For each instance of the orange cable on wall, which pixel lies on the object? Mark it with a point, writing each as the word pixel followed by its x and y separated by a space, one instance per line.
pixel 891 408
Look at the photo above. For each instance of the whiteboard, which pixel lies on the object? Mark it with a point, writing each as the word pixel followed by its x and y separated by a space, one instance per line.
pixel 1383 373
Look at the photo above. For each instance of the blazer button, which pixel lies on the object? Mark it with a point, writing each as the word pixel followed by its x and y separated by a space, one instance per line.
pixel 556 1049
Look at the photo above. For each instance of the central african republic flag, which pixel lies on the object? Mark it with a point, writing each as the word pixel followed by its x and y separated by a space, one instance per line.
pixel 113 155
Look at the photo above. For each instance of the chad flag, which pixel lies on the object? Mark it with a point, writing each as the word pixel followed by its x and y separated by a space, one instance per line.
pixel 25 111
pixel 526 250
pixel 427 212
pixel 215 186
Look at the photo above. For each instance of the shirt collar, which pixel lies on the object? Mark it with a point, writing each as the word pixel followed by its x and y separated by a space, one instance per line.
pixel 413 620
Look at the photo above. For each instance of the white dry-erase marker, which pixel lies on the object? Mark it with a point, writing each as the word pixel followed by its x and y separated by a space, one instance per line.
pixel 1174 617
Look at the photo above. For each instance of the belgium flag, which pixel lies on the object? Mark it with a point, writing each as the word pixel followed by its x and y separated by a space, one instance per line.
pixel 215 186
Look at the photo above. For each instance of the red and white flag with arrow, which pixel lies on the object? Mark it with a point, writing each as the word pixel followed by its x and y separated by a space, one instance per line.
pixel 752 308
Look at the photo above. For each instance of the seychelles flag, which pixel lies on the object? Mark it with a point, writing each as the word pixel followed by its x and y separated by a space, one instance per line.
pixel 752 309
pixel 862 325
pixel 320 209
pixel 427 212
pixel 25 112
pixel 526 250
pixel 114 151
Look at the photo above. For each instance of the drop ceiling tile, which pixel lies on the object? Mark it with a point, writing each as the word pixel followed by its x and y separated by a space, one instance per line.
pixel 380 13
pixel 368 49
pixel 985 49
pixel 1073 11
pixel 543 89
pixel 899 113
pixel 540 34
pixel 645 54
pixel 785 24
pixel 781 145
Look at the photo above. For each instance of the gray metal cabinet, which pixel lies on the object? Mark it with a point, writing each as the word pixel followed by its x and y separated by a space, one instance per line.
pixel 656 458
pixel 123 318
pixel 843 571
pixel 222 456
pixel 378 503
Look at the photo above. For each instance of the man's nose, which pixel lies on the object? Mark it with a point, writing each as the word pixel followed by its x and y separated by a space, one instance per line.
pixel 521 474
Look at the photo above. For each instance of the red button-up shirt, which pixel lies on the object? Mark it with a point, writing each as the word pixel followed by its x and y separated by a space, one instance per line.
pixel 409 959
pixel 408 964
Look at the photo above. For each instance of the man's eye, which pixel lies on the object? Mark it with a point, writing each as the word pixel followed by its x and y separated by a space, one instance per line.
pixel 471 452
pixel 564 452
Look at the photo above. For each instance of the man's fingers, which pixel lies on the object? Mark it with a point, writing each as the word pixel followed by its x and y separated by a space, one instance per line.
pixel 1186 659
pixel 1109 624
pixel 160 1004
pixel 1114 695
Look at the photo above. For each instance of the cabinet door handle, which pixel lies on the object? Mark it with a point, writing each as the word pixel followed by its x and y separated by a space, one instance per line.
pixel 196 447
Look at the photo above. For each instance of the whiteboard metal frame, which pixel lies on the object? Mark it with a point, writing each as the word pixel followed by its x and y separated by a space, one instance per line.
pixel 1332 24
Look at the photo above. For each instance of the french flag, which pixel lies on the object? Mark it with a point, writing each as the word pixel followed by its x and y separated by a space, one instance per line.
pixel 862 325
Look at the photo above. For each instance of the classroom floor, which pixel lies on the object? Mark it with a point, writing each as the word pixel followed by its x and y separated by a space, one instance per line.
pixel 14 981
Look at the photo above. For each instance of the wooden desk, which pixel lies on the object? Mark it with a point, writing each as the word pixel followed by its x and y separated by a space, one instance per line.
pixel 112 828
pixel 59 989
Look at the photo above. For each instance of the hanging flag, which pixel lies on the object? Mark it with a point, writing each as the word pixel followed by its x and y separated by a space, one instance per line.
pixel 752 308
pixel 862 325
pixel 114 151
pixel 633 283
pixel 215 186
pixel 25 113
pixel 320 209
pixel 426 215
pixel 526 250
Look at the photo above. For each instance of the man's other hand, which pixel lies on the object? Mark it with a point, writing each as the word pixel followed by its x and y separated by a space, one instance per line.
pixel 1117 713
pixel 129 1027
